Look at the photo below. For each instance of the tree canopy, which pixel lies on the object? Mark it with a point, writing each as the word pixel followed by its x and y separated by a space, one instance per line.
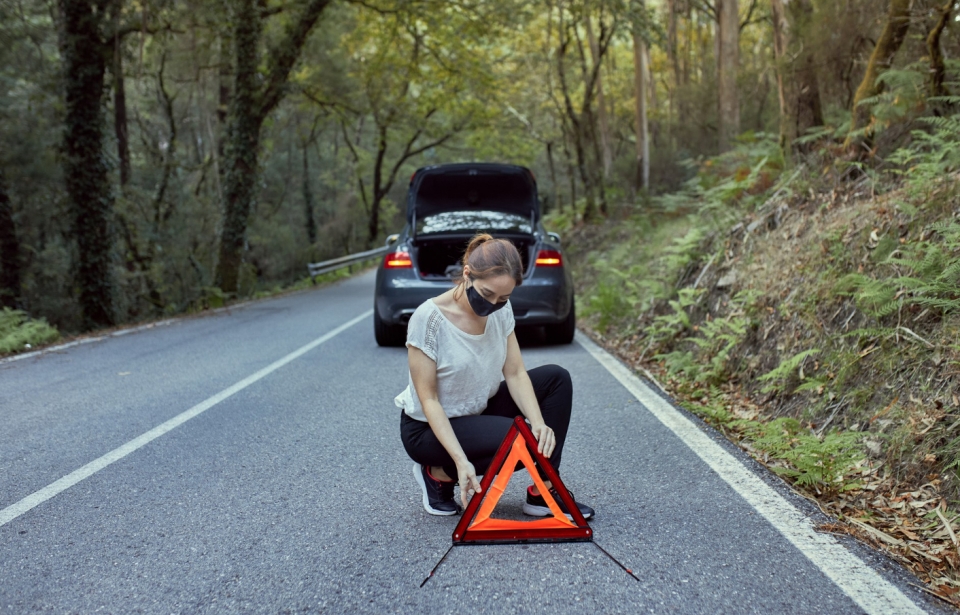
pixel 160 154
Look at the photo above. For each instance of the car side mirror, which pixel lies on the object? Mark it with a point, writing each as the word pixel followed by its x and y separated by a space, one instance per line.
pixel 392 239
pixel 554 236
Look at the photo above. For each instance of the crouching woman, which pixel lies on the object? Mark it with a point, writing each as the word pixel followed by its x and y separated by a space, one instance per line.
pixel 468 382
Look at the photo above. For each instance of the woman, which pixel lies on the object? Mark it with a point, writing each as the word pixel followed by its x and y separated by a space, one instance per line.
pixel 456 410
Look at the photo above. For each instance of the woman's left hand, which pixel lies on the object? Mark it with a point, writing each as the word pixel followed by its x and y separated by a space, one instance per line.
pixel 546 440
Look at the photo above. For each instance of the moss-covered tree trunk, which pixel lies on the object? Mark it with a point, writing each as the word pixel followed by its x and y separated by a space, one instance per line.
pixel 241 144
pixel 9 250
pixel 938 69
pixel 254 97
pixel 309 219
pixel 797 82
pixel 85 168
pixel 120 99
pixel 894 32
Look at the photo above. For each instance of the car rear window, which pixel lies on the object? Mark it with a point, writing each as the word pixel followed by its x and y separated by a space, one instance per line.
pixel 473 222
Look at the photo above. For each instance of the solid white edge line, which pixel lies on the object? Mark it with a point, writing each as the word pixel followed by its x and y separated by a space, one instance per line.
pixel 862 584
pixel 13 511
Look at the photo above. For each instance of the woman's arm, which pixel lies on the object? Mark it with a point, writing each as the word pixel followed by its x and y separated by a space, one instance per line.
pixel 423 371
pixel 521 390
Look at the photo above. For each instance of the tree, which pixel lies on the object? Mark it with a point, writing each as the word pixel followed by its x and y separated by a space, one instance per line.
pixel 894 32
pixel 9 250
pixel 797 83
pixel 728 63
pixel 413 74
pixel 642 181
pixel 938 68
pixel 255 95
pixel 581 119
pixel 85 168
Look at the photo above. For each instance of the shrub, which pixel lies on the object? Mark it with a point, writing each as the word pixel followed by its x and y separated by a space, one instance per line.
pixel 19 332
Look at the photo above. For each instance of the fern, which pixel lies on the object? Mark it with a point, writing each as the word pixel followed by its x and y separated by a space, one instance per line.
pixel 783 373
pixel 819 463
pixel 19 332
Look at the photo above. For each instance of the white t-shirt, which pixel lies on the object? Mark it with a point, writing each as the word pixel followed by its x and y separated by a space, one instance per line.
pixel 469 367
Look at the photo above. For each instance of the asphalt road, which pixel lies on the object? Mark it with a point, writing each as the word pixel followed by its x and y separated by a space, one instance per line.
pixel 294 494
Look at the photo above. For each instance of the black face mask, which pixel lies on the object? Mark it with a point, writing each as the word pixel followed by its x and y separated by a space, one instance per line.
pixel 481 306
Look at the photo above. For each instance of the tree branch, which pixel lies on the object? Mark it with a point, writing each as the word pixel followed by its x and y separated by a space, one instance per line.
pixel 137 27
pixel 284 55
pixel 746 22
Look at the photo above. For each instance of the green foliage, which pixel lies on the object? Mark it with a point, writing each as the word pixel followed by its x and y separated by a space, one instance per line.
pixel 19 332
pixel 785 372
pixel 727 185
pixel 667 326
pixel 902 95
pixel 821 463
pixel 707 361
pixel 924 273
pixel 932 155
pixel 609 302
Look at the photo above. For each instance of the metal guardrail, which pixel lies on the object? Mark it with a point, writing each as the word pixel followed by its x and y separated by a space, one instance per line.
pixel 334 264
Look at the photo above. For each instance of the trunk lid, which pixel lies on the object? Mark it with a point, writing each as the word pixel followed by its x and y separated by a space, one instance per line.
pixel 476 190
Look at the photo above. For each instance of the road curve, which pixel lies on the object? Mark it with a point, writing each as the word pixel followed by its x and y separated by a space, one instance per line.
pixel 279 485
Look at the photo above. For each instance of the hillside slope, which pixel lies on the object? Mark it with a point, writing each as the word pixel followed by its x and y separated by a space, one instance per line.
pixel 813 318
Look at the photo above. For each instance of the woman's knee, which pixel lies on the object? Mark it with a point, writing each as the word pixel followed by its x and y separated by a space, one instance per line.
pixel 553 374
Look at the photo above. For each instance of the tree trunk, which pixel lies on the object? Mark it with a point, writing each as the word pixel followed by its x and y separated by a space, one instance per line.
pixel 85 171
pixel 557 202
pixel 895 31
pixel 938 70
pixel 728 56
pixel 9 251
pixel 242 142
pixel 674 56
pixel 642 179
pixel 602 121
pixel 373 223
pixel 120 102
pixel 250 105
pixel 797 85
pixel 308 200
pixel 224 77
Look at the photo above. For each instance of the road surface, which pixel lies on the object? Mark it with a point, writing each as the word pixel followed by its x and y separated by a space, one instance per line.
pixel 249 461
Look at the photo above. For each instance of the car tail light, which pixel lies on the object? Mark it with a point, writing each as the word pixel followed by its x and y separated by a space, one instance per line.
pixel 398 260
pixel 549 258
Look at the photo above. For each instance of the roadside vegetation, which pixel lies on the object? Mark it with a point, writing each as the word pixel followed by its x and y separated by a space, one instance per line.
pixel 811 313
pixel 19 332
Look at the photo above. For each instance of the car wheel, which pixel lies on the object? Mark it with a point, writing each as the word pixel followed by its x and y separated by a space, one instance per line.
pixel 563 333
pixel 386 334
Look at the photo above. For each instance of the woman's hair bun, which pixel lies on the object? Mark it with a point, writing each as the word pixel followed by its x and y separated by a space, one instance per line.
pixel 477 241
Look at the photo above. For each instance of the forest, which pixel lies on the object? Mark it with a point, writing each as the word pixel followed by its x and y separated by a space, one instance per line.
pixel 759 198
pixel 160 155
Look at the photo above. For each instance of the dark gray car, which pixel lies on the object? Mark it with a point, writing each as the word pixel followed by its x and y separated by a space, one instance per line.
pixel 446 206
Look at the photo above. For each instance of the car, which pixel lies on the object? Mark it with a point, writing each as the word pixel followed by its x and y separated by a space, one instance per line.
pixel 446 206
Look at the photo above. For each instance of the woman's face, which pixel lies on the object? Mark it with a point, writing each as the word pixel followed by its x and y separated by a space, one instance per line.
pixel 494 289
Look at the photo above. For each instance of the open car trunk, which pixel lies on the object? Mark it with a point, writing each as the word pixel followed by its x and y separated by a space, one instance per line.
pixel 438 258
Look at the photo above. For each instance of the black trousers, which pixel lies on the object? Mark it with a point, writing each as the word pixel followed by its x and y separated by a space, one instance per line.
pixel 481 435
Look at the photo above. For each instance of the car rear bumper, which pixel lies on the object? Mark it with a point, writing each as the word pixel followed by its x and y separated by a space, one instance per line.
pixel 543 299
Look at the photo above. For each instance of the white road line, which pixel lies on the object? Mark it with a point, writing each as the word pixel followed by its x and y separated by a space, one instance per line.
pixel 874 594
pixel 13 511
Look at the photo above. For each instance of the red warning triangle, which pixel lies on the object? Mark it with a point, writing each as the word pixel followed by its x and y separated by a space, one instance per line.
pixel 476 526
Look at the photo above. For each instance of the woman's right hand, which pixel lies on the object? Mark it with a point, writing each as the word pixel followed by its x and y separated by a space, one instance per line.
pixel 469 484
